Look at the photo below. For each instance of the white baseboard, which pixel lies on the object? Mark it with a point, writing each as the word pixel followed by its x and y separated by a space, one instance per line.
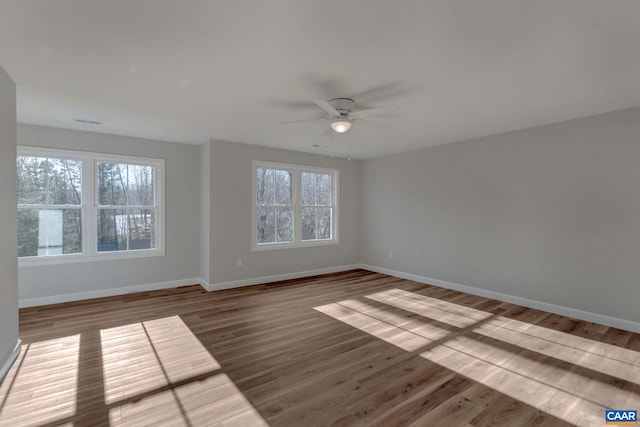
pixel 205 285
pixel 276 278
pixel 77 296
pixel 7 362
pixel 538 305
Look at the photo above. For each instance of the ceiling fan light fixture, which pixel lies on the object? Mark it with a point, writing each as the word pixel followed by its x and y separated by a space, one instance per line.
pixel 340 125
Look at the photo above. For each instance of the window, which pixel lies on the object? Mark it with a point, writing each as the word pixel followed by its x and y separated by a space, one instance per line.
pixel 75 206
pixel 293 206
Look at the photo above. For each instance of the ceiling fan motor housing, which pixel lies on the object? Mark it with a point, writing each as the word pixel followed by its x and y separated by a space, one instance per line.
pixel 343 105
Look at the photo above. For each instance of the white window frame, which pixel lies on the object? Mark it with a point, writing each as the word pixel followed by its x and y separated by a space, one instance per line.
pixel 89 206
pixel 297 207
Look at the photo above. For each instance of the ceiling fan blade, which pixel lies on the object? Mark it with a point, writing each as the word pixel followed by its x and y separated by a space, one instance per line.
pixel 290 122
pixel 326 107
pixel 376 112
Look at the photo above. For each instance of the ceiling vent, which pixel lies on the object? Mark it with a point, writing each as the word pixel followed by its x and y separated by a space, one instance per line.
pixel 87 121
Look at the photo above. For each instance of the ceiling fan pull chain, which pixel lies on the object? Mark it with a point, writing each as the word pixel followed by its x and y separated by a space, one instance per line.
pixel 332 139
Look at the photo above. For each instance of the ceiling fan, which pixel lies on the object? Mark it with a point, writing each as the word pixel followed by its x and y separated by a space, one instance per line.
pixel 342 115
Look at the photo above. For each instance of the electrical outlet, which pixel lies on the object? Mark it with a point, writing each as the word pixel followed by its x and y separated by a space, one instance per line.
pixel 239 262
pixel 390 254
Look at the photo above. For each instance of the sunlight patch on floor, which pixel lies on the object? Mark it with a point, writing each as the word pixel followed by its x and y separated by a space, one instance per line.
pixel 218 398
pixel 150 410
pixel 40 388
pixel 567 376
pixel 601 357
pixel 129 364
pixel 213 400
pixel 529 381
pixel 401 319
pixel 145 356
pixel 158 372
pixel 380 329
pixel 442 311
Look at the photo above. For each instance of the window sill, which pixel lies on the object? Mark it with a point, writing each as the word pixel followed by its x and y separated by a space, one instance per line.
pixel 73 259
pixel 276 246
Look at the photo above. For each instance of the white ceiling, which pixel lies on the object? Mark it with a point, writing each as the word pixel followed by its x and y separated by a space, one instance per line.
pixel 188 70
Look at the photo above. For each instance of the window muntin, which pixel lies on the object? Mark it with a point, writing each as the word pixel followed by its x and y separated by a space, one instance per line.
pixel 69 210
pixel 293 206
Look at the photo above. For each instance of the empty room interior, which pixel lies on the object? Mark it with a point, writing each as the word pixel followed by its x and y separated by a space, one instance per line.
pixel 299 213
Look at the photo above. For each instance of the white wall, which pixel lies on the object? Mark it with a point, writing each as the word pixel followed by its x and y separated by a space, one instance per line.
pixel 8 216
pixel 182 209
pixel 550 213
pixel 205 209
pixel 231 210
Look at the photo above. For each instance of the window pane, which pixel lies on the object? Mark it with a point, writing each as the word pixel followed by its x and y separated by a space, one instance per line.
pixel 112 188
pixel 72 237
pixel 53 181
pixel 309 223
pixel 265 186
pixel 140 185
pixel 65 182
pixel 266 224
pixel 43 232
pixel 324 223
pixel 28 232
pixel 284 225
pixel 323 189
pixel 141 224
pixel 112 230
pixel 32 179
pixel 283 187
pixel 308 189
pixel 315 189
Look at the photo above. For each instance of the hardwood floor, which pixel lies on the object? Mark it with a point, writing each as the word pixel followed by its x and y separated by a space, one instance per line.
pixel 352 349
